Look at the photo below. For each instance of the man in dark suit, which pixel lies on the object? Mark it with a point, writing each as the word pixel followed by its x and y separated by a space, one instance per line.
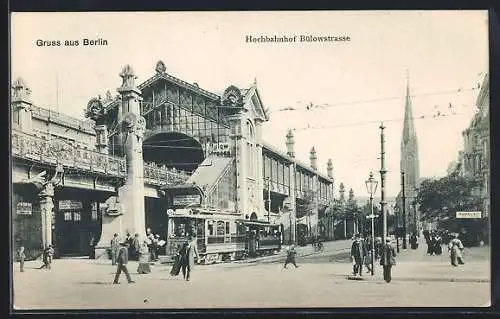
pixel 358 253
pixel 387 259
pixel 187 256
pixel 122 261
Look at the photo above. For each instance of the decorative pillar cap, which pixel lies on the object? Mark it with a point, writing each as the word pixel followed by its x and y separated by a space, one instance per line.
pixel 128 80
pixel 21 91
pixel 312 153
pixel 160 67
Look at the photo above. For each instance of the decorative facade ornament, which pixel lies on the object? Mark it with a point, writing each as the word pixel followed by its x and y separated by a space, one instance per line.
pixel 95 109
pixel 140 126
pixel 20 90
pixel 160 67
pixel 108 98
pixel 232 97
pixel 128 77
pixel 128 122
pixel 134 124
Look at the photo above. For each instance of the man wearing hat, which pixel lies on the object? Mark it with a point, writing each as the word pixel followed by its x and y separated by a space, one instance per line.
pixel 122 261
pixel 358 253
pixel 387 259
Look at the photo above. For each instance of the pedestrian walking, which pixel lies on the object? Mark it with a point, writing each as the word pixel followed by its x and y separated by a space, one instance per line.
pixel 115 247
pixel 414 241
pixel 358 253
pixel 455 247
pixel 136 246
pixel 388 259
pixel 144 256
pixel 122 261
pixel 438 242
pixel 290 256
pixel 187 256
pixel 368 256
pixel 47 256
pixel 21 256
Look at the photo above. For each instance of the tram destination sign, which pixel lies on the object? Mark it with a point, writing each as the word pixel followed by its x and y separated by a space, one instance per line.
pixel 184 200
pixel 469 215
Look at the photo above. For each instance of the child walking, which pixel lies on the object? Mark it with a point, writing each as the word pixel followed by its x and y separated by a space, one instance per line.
pixel 21 256
pixel 290 256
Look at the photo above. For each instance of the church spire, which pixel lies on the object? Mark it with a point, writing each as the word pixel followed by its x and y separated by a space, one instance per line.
pixel 408 126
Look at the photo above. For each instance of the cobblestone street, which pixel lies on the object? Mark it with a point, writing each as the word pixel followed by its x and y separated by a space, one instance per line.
pixel 418 280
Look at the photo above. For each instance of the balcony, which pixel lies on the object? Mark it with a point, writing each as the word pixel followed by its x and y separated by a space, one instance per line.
pixel 55 151
pixel 162 175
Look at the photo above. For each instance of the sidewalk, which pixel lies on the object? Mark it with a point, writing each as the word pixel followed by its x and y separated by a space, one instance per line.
pixel 416 265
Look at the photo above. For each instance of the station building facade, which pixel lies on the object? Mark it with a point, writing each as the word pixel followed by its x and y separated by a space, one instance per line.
pixel 162 145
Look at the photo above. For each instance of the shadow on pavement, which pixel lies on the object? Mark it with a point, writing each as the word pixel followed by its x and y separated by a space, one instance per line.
pixel 96 282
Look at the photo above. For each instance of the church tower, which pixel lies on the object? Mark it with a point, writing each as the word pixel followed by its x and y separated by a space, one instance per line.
pixel 410 163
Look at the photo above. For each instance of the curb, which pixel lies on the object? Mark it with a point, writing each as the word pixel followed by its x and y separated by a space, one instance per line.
pixel 406 279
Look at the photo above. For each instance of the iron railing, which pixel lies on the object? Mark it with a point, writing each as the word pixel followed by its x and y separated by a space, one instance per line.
pixel 161 175
pixel 58 152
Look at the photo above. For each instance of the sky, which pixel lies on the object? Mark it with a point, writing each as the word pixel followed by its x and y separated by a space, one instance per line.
pixel 358 83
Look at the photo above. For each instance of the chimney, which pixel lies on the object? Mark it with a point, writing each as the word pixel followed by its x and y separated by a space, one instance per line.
pixel 313 158
pixel 329 168
pixel 290 142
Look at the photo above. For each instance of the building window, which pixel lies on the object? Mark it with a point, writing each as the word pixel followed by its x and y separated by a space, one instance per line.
pixel 77 216
pixel 95 210
pixel 68 216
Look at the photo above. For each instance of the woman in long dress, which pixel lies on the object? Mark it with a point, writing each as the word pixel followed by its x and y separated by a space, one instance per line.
pixel 456 248
pixel 144 267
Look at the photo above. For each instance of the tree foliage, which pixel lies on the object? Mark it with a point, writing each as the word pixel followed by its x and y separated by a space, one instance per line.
pixel 441 198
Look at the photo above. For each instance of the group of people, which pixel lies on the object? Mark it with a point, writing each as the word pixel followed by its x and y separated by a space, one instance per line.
pixel 434 242
pixel 361 255
pixel 186 257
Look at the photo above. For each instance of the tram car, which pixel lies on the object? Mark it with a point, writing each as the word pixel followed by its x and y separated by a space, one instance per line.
pixel 220 236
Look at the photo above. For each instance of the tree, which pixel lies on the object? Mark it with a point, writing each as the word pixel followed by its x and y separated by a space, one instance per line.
pixel 440 199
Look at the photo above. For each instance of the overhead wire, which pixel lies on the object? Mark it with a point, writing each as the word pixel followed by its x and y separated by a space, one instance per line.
pixel 312 106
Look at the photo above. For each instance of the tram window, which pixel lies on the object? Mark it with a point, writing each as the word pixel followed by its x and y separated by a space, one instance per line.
pixel 210 228
pixel 227 227
pixel 180 229
pixel 200 227
pixel 220 228
pixel 77 216
pixel 68 216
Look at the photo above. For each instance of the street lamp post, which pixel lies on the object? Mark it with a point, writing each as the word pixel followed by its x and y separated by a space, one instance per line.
pixel 371 187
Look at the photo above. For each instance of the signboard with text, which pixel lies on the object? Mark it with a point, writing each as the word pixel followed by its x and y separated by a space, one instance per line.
pixel 70 205
pixel 219 149
pixel 24 208
pixel 184 200
pixel 469 215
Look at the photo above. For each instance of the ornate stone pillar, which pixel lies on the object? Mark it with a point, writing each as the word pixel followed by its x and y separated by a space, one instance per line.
pixel 21 106
pixel 133 125
pixel 46 208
